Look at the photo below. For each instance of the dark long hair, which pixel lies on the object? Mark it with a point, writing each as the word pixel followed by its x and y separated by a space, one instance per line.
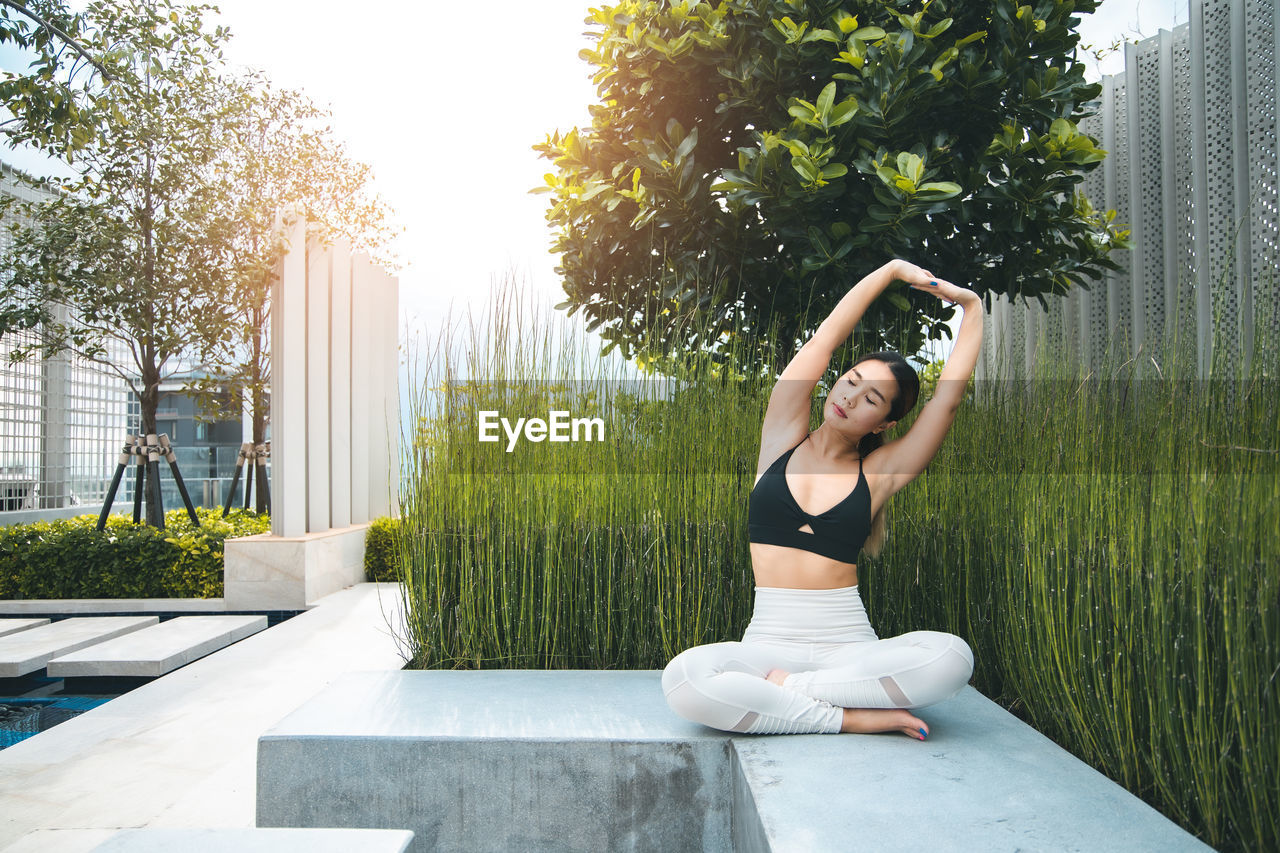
pixel 904 401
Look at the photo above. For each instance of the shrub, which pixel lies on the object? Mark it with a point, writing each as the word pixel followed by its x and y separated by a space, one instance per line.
pixel 71 558
pixel 381 563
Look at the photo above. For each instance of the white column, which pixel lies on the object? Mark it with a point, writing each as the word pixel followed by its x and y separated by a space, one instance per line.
pixel 53 483
pixel 340 386
pixel 361 393
pixel 391 371
pixel 288 387
pixel 317 387
pixel 376 470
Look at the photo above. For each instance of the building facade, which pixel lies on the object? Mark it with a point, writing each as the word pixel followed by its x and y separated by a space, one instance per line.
pixel 62 419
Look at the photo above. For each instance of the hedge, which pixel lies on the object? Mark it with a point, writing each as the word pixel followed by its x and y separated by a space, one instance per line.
pixel 380 562
pixel 71 558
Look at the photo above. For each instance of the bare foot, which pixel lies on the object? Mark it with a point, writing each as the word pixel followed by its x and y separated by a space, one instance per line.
pixel 777 676
pixel 866 720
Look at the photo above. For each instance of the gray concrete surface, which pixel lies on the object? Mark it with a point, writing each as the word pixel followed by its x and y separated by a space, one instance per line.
pixel 574 760
pixel 180 751
pixel 90 606
pixel 983 780
pixel 11 626
pixel 159 649
pixel 257 841
pixel 30 650
pixel 500 760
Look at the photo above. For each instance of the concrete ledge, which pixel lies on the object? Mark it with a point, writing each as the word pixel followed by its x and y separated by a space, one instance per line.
pixel 27 516
pixel 576 760
pixel 30 606
pixel 161 648
pixel 266 572
pixel 515 760
pixel 258 841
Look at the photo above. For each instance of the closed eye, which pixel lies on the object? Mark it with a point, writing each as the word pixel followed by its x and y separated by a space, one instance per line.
pixel 869 400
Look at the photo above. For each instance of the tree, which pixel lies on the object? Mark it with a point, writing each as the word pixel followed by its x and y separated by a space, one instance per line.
pixel 284 158
pixel 751 159
pixel 132 251
pixel 54 104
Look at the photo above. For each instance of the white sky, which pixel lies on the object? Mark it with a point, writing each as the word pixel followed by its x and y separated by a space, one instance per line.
pixel 445 103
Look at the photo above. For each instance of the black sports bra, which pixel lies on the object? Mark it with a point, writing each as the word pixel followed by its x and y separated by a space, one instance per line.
pixel 774 517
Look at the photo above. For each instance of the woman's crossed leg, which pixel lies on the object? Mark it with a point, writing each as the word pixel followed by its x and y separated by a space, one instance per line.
pixel 790 688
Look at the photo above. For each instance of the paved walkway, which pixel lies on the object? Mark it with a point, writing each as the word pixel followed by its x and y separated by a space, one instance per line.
pixel 181 751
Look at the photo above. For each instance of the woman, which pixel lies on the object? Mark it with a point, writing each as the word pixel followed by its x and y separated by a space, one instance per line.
pixel 809 661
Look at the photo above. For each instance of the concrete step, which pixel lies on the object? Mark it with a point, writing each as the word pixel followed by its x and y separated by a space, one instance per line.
pixel 237 840
pixel 32 649
pixel 158 649
pixel 530 760
pixel 12 626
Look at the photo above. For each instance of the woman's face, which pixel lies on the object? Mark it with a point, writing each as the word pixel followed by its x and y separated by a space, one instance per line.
pixel 859 402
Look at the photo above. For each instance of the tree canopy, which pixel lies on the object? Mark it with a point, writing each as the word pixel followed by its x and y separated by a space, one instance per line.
pixel 158 255
pixel 56 104
pixel 750 160
pixel 284 158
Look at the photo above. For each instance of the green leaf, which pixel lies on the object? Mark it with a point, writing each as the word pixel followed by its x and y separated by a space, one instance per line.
pixel 819 240
pixel 947 187
pixel 826 99
pixel 806 168
pixel 941 62
pixel 687 144
pixel 911 166
pixel 843 112
pixel 820 35
pixel 897 300
pixel 802 110
pixel 938 28
pixel 866 34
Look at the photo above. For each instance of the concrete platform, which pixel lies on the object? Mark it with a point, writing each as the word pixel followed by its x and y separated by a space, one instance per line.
pixel 12 626
pixel 180 751
pixel 258 841
pixel 574 760
pixel 114 606
pixel 31 650
pixel 159 649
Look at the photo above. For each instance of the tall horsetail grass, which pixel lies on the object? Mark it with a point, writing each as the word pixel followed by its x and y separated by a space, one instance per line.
pixel 1106 542
pixel 593 554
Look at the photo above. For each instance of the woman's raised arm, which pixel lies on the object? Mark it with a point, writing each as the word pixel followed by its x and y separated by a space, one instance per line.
pixel 832 333
pixel 903 459
pixel 954 378
pixel 786 419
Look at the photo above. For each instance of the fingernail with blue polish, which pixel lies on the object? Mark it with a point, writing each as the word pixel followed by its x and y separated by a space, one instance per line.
pixel 923 733
pixel 934 283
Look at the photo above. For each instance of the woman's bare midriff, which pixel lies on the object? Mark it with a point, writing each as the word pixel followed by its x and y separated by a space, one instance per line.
pixel 792 568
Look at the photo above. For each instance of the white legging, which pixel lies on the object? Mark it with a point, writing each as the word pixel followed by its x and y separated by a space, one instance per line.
pixel 824 639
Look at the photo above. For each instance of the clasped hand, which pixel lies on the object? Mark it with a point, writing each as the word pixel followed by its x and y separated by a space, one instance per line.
pixel 922 279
